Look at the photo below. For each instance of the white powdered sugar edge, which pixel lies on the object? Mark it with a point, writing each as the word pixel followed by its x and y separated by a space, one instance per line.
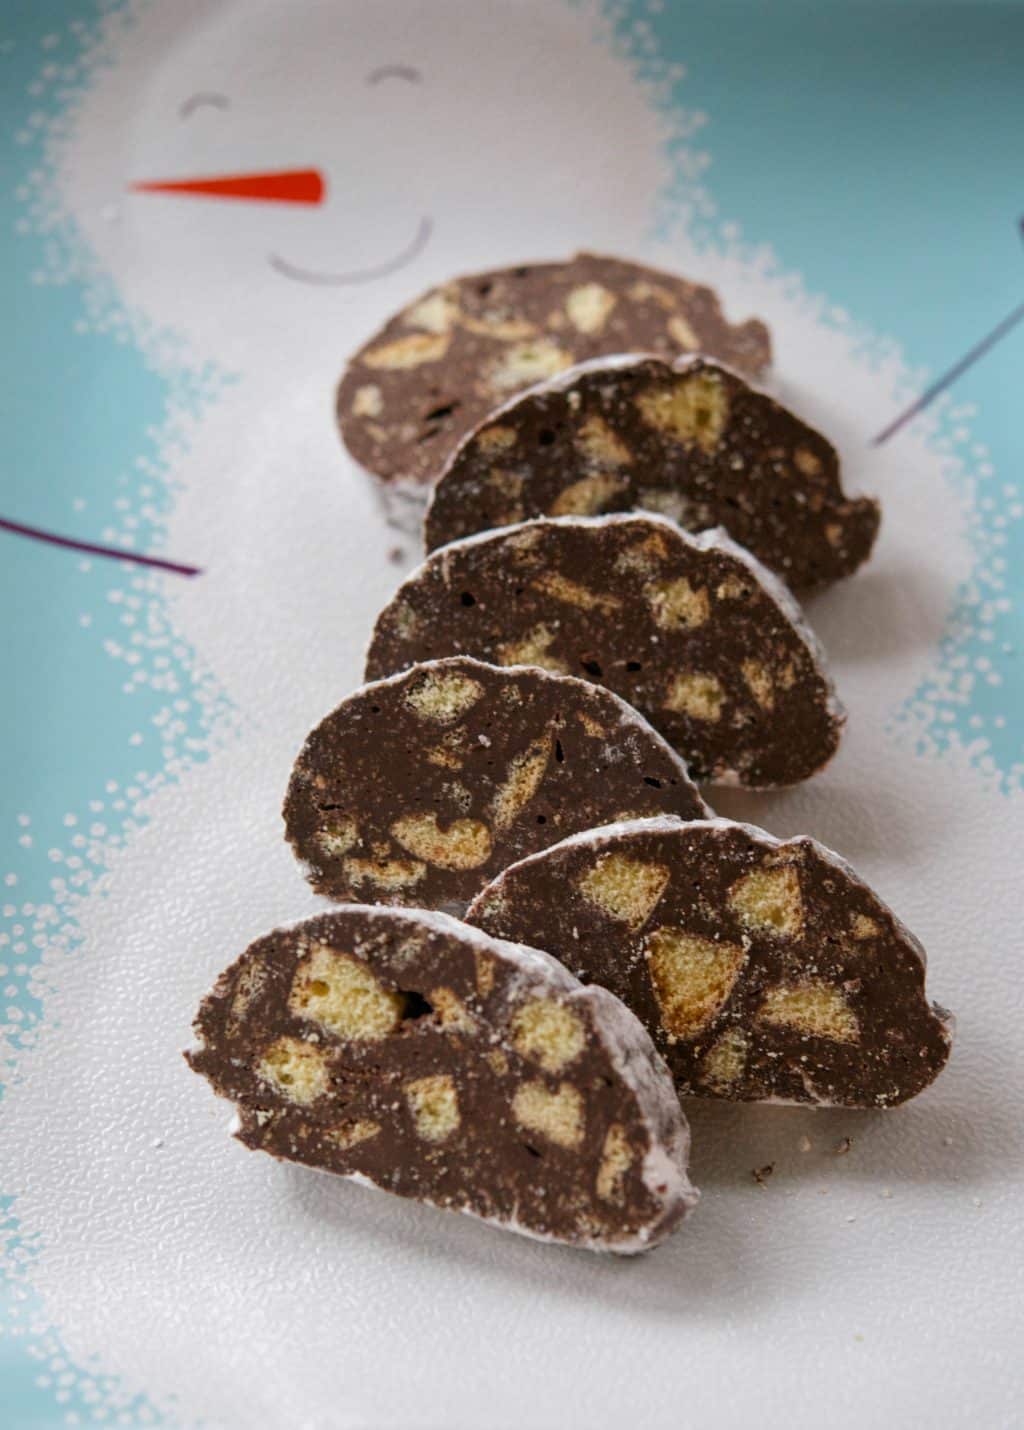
pixel 642 1067
pixel 718 539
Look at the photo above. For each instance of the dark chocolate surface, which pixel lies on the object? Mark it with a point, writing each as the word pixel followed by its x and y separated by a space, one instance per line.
pixel 453 1069
pixel 693 635
pixel 440 365
pixel 761 969
pixel 690 440
pixel 420 789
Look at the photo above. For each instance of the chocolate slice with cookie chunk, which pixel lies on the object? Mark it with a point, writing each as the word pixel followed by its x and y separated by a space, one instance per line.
pixel 764 969
pixel 421 788
pixel 409 1051
pixel 690 439
pixel 425 380
pixel 691 630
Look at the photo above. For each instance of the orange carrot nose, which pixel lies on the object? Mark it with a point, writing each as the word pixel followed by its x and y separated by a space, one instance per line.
pixel 288 186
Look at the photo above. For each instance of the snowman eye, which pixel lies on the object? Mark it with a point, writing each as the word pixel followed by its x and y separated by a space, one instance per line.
pixel 206 99
pixel 383 72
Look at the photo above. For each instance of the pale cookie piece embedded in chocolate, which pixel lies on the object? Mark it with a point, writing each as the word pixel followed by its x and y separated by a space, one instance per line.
pixel 407 1050
pixel 421 788
pixel 440 365
pixel 690 630
pixel 765 970
pixel 689 439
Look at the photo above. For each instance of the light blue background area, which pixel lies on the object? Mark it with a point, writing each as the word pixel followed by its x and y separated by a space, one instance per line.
pixel 875 147
pixel 74 408
pixel 74 413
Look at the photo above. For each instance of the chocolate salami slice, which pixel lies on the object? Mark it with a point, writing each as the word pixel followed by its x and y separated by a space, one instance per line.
pixel 765 970
pixel 689 439
pixel 419 789
pixel 409 1051
pixel 691 630
pixel 441 364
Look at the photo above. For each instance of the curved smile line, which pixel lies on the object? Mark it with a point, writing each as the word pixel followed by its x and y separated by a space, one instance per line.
pixel 357 275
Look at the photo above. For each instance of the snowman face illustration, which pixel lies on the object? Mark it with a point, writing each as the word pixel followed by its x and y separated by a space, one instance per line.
pixel 430 138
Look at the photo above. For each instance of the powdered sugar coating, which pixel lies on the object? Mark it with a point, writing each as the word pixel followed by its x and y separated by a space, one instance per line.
pixel 718 539
pixel 641 1066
